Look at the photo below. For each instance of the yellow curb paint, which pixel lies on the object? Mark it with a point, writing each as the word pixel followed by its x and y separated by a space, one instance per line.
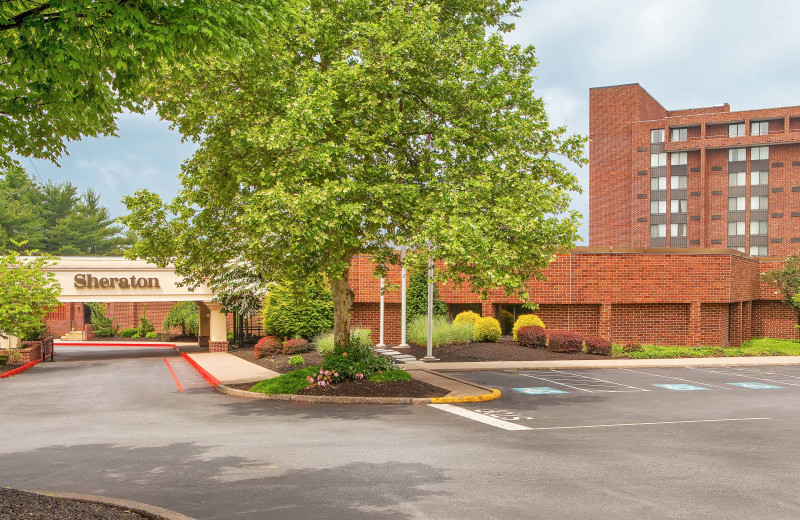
pixel 468 398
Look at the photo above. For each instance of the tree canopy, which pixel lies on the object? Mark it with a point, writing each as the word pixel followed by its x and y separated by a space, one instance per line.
pixel 54 219
pixel 67 67
pixel 358 126
pixel 27 293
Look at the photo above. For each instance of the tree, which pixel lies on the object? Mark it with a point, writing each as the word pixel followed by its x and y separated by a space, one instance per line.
pixel 185 315
pixel 298 310
pixel 67 67
pixel 417 300
pixel 787 280
pixel 27 293
pixel 359 126
pixel 238 288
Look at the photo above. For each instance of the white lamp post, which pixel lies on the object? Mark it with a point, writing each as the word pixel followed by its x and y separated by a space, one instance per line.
pixel 382 344
pixel 403 298
pixel 430 312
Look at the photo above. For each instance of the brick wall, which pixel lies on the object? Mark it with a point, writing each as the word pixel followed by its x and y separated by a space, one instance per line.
pixel 661 324
pixel 579 318
pixel 773 319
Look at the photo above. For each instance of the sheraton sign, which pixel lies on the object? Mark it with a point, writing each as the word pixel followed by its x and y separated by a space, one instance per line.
pixel 88 281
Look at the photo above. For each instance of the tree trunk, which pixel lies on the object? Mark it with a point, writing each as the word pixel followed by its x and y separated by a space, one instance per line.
pixel 342 307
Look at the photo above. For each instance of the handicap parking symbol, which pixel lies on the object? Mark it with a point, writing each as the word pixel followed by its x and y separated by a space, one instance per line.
pixel 756 386
pixel 681 387
pixel 538 390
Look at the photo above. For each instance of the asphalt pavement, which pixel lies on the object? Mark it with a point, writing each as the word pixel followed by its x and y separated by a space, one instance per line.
pixel 587 444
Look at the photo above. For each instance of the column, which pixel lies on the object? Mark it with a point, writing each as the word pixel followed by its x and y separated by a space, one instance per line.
pixel 205 326
pixel 487 309
pixel 604 323
pixel 694 334
pixel 218 330
pixel 735 324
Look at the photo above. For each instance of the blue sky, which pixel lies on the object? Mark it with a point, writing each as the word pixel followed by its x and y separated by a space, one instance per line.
pixel 685 53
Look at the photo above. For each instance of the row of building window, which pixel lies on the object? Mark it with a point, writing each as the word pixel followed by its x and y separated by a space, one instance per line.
pixel 757 202
pixel 679 182
pixel 757 227
pixel 734 130
pixel 734 155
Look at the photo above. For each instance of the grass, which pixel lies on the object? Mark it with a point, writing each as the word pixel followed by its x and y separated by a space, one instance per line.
pixel 323 343
pixel 444 332
pixel 390 375
pixel 288 383
pixel 754 347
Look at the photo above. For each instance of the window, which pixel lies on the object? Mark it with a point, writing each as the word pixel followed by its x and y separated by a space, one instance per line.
pixel 658 183
pixel 736 228
pixel 736 130
pixel 738 248
pixel 758 250
pixel 736 203
pixel 758 227
pixel 678 205
pixel 677 230
pixel 737 179
pixel 658 159
pixel 759 152
pixel 658 230
pixel 759 178
pixel 759 128
pixel 678 158
pixel 679 134
pixel 658 206
pixel 761 202
pixel 657 136
pixel 736 154
pixel 678 182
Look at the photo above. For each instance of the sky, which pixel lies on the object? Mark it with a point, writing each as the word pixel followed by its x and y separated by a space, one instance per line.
pixel 685 53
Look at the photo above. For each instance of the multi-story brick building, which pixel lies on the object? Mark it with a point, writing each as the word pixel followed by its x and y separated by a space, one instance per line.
pixel 702 177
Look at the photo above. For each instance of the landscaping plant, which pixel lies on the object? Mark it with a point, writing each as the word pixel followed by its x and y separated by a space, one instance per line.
pixel 323 343
pixel 444 332
pixel 185 315
pixel 27 293
pixel 267 346
pixel 296 346
pixel 103 325
pixel 598 345
pixel 145 325
pixel 417 297
pixel 532 336
pixel 297 360
pixel 354 360
pixel 506 320
pixel 298 310
pixel 564 341
pixel 526 319
pixel 487 329
pixel 467 317
pixel 128 333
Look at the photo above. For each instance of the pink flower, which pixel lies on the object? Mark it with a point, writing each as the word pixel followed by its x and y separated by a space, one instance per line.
pixel 336 374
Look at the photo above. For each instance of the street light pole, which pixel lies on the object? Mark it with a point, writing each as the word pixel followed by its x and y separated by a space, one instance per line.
pixel 403 298
pixel 382 344
pixel 430 311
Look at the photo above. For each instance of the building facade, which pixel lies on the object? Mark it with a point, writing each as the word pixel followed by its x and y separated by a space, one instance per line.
pixel 703 177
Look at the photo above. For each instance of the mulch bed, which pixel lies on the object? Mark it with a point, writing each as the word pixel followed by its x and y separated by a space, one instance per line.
pixel 9 367
pixel 279 362
pixel 503 350
pixel 20 504
pixel 411 388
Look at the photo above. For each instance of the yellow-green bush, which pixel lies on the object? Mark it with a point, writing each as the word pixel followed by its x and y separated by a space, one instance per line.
pixel 487 329
pixel 527 319
pixel 506 320
pixel 466 317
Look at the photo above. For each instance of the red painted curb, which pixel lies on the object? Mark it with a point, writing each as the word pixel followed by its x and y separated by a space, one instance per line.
pixel 18 370
pixel 112 344
pixel 213 381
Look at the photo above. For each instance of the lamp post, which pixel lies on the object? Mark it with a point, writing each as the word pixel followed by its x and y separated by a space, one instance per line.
pixel 403 343
pixel 430 312
pixel 382 344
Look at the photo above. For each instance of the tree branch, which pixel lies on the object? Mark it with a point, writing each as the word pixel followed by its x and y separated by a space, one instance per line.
pixel 18 20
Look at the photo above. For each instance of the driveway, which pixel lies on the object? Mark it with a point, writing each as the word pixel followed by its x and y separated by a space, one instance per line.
pixel 613 445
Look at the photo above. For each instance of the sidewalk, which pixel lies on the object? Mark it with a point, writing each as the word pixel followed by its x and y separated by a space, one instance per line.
pixel 227 368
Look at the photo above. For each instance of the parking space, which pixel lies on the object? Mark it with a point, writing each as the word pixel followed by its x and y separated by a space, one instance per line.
pixel 653 397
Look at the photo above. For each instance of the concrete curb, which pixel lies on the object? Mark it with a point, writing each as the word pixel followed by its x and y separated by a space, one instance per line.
pixel 21 369
pixel 213 381
pixel 146 510
pixel 493 394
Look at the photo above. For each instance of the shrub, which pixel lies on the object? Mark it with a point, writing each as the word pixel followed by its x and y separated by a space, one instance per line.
pixel 390 375
pixel 295 346
pixel 467 316
pixel 532 336
pixel 151 335
pixel 145 325
pixel 417 299
pixel 136 335
pixel 128 333
pixel 598 345
pixel 506 320
pixel 487 329
pixel 297 360
pixel 444 333
pixel 267 346
pixel 526 319
pixel 565 341
pixel 631 347
pixel 323 343
pixel 3 361
pixel 185 315
pixel 103 325
pixel 461 333
pixel 300 312
pixel 355 361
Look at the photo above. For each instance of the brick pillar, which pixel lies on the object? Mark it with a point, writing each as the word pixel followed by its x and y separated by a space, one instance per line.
pixel 695 332
pixel 747 321
pixel 735 324
pixel 604 323
pixel 487 309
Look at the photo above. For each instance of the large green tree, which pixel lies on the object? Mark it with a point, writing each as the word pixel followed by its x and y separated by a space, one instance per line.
pixel 27 293
pixel 360 125
pixel 67 67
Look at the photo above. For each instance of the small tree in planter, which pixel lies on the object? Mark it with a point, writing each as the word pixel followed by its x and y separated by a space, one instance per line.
pixel 27 293
pixel 788 282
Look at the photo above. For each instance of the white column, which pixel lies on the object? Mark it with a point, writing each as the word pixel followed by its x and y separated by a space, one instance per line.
pixel 382 343
pixel 403 299
pixel 430 311
pixel 218 323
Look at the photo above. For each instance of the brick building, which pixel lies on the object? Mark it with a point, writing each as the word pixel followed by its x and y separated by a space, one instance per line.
pixel 702 177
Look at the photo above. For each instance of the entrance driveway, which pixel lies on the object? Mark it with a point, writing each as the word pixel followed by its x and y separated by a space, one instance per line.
pixel 122 428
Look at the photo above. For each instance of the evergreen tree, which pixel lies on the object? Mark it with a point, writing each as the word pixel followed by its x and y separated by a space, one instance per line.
pixel 417 298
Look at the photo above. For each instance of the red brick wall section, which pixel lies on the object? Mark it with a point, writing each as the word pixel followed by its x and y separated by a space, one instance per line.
pixel 367 316
pixel 663 324
pixel 577 318
pixel 773 319
pixel 714 324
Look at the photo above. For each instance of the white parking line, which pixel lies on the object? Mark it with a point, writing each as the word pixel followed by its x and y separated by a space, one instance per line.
pixel 551 381
pixel 475 416
pixel 649 423
pixel 603 380
pixel 678 378
pixel 730 373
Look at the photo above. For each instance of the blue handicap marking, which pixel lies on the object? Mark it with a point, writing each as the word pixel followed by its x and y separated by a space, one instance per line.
pixel 538 390
pixel 756 386
pixel 681 387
